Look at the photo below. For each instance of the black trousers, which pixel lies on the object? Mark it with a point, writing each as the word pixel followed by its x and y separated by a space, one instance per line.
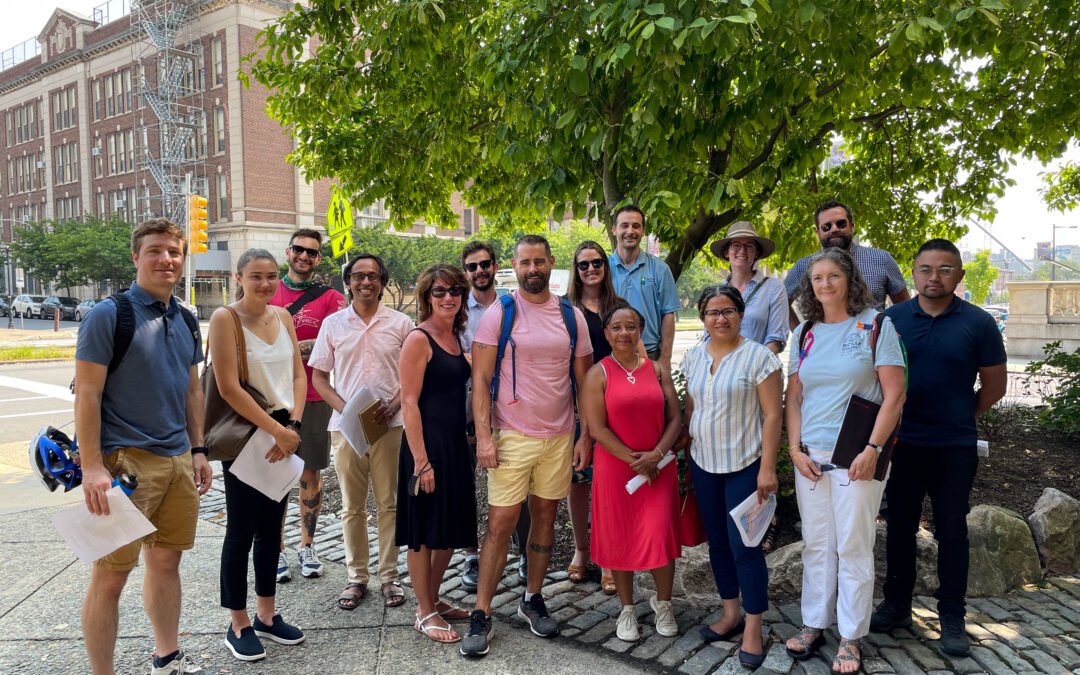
pixel 252 518
pixel 946 474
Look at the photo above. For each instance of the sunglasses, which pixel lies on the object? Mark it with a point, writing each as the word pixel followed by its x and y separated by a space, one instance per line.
pixel 454 291
pixel 596 263
pixel 360 277
pixel 838 224
pixel 483 264
pixel 300 250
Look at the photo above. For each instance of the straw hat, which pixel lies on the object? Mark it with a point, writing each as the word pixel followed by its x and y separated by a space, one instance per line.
pixel 739 230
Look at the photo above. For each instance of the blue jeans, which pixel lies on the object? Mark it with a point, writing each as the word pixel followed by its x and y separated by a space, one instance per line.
pixel 735 567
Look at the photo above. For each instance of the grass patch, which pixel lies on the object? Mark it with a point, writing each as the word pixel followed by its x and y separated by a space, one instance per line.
pixel 33 353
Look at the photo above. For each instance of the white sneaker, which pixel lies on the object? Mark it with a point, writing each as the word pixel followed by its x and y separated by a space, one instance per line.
pixel 666 624
pixel 626 628
pixel 310 565
pixel 283 573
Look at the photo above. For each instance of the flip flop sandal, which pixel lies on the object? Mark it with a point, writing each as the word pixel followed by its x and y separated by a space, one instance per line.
pixel 844 654
pixel 352 595
pixel 393 594
pixel 575 573
pixel 450 612
pixel 422 627
pixel 608 584
pixel 811 640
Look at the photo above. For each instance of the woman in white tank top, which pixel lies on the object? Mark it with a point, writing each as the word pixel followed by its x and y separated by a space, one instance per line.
pixel 276 371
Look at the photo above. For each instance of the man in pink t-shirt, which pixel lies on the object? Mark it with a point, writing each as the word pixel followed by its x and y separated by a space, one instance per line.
pixel 525 437
pixel 310 303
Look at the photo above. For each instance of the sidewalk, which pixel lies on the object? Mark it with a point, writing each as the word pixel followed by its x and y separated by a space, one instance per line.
pixel 1036 630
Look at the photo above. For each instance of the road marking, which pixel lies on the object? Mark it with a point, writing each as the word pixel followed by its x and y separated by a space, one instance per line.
pixel 24 398
pixel 47 390
pixel 39 412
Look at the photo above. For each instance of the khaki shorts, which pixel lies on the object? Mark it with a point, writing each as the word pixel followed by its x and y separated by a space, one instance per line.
pixel 166 495
pixel 530 466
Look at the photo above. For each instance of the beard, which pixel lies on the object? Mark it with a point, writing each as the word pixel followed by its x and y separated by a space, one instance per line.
pixel 534 283
pixel 482 282
pixel 837 241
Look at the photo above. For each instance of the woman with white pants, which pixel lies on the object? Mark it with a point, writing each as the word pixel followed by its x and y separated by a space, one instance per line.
pixel 834 360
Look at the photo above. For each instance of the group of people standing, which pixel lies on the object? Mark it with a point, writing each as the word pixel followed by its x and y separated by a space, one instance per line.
pixel 557 398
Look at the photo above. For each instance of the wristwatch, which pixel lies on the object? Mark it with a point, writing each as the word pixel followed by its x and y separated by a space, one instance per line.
pixel 294 425
pixel 875 446
pixel 200 450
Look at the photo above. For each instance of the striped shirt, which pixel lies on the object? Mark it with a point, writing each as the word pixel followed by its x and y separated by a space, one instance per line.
pixel 727 419
pixel 878 268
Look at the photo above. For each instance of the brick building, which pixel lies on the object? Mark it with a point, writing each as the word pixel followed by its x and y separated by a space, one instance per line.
pixel 76 134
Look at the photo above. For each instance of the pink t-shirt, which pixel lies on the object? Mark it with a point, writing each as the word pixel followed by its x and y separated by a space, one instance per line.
pixel 309 319
pixel 544 406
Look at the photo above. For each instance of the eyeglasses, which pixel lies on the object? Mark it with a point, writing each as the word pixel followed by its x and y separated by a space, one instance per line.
pixel 749 246
pixel 359 277
pixel 441 291
pixel 943 271
pixel 483 264
pixel 301 250
pixel 828 466
pixel 726 312
pixel 596 263
pixel 838 224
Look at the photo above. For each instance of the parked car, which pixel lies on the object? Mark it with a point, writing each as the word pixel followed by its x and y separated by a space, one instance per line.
pixel 27 305
pixel 58 303
pixel 84 308
pixel 4 308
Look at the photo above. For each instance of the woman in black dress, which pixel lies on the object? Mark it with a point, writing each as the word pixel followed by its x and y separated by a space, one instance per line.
pixel 441 517
pixel 590 290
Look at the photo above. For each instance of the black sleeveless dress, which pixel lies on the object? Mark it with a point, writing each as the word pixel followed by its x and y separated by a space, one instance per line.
pixel 446 518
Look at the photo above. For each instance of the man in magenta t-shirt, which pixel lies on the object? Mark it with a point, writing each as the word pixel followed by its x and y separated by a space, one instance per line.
pixel 525 438
pixel 317 303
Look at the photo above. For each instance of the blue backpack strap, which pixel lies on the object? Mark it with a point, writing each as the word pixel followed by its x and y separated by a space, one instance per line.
pixel 571 327
pixel 509 311
pixel 124 330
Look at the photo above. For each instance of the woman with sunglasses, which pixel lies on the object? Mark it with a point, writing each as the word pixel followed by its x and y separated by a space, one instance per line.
pixel 436 504
pixel 833 357
pixel 591 291
pixel 734 414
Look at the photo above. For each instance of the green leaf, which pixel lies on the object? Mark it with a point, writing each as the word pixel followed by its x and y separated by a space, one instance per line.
pixel 705 32
pixel 806 11
pixel 914 32
pixel 736 18
pixel 698 22
pixel 927 22
pixel 655 9
pixel 565 118
pixel 990 16
pixel 717 195
pixel 622 50
pixel 667 23
pixel 680 38
pixel 578 62
pixel 578 82
pixel 993 4
pixel 965 13
pixel 649 29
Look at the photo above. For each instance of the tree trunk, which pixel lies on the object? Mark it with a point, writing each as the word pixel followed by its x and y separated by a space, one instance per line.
pixel 703 227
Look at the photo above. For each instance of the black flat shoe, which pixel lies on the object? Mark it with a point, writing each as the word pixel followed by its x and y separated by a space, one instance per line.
pixel 709 635
pixel 751 661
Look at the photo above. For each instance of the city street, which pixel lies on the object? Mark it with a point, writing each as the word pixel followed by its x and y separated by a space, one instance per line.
pixel 25 323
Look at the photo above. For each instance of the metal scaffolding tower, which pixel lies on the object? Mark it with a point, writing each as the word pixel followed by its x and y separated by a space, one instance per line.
pixel 170 116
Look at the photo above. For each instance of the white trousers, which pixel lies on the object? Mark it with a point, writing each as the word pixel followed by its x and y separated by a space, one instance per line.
pixel 838 558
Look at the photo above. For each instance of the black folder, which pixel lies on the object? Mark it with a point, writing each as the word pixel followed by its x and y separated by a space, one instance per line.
pixel 855 434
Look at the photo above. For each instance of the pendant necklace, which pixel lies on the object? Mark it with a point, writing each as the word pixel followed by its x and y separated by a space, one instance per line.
pixel 629 373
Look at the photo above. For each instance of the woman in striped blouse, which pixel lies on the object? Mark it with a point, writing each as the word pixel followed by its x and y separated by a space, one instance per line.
pixel 734 413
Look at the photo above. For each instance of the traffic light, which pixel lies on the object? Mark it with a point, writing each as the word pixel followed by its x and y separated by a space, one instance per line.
pixel 197 223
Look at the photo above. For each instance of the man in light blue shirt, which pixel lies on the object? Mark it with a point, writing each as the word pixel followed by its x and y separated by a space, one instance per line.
pixel 646 283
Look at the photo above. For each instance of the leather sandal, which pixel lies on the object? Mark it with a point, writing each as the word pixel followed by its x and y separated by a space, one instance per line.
pixel 352 595
pixel 575 573
pixel 393 594
pixel 607 583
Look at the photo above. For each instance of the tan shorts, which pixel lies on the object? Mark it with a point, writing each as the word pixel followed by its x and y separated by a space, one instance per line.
pixel 166 495
pixel 530 466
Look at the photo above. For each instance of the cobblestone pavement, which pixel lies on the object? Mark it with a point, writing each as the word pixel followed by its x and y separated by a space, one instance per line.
pixel 1034 630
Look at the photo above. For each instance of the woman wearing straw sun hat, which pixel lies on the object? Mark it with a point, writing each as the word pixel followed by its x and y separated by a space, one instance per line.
pixel 765 320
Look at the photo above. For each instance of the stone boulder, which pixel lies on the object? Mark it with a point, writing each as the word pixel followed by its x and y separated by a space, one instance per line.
pixel 1003 555
pixel 785 571
pixel 693 577
pixel 926 551
pixel 1055 525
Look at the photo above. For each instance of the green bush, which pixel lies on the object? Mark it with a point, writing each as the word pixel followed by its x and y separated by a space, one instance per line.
pixel 1062 412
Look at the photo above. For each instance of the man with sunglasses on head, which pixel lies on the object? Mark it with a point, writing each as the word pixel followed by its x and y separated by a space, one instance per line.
pixel 309 302
pixel 835 227
pixel 361 346
pixel 951 344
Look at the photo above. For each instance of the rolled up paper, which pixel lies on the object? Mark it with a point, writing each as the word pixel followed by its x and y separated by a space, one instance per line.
pixel 637 481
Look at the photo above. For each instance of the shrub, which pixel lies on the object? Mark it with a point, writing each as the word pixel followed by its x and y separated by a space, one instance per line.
pixel 1062 411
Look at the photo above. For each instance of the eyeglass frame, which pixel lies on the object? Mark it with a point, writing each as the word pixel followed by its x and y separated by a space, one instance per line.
pixel 727 313
pixel 297 249
pixel 443 291
pixel 481 264
pixel 839 224
pixel 364 276
pixel 583 265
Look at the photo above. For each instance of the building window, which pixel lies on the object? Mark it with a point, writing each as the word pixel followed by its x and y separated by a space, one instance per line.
pixel 65 112
pixel 120 147
pixel 218 58
pixel 219 129
pixel 96 87
pixel 101 212
pixel 66 163
pixel 122 204
pixel 222 198
pixel 67 209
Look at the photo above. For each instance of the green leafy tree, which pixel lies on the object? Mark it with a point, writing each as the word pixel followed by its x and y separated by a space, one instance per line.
pixel 74 253
pixel 695 278
pixel 701 112
pixel 1062 188
pixel 979 275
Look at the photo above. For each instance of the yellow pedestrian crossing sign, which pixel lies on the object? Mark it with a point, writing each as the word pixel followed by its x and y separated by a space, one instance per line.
pixel 339 224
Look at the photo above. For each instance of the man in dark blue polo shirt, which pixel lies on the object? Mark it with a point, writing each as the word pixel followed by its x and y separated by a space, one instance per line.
pixel 144 417
pixel 950 343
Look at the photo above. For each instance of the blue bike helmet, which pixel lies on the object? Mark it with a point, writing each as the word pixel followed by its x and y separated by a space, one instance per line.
pixel 54 457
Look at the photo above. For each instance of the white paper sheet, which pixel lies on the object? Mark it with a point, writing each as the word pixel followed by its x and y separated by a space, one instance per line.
pixel 272 479
pixel 634 483
pixel 351 428
pixel 752 519
pixel 92 537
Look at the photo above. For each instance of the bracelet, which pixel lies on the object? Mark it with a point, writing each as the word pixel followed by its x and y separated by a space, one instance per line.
pixel 423 469
pixel 426 469
pixel 200 450
pixel 294 425
pixel 659 454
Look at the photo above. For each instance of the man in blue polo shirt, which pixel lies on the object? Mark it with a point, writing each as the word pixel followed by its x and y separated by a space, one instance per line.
pixel 144 417
pixel 950 344
pixel 646 283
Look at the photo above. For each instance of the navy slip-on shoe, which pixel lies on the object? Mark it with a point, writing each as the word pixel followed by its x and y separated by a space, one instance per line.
pixel 709 635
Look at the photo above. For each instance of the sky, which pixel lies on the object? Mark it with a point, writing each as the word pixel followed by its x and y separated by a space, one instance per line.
pixel 1022 218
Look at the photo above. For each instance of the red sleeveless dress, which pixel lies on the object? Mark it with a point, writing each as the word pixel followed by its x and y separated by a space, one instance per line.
pixel 633 531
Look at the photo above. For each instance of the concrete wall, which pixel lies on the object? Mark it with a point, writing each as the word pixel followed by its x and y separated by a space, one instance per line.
pixel 1041 312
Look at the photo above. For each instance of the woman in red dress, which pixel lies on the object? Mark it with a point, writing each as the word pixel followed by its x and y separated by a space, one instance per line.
pixel 633 414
